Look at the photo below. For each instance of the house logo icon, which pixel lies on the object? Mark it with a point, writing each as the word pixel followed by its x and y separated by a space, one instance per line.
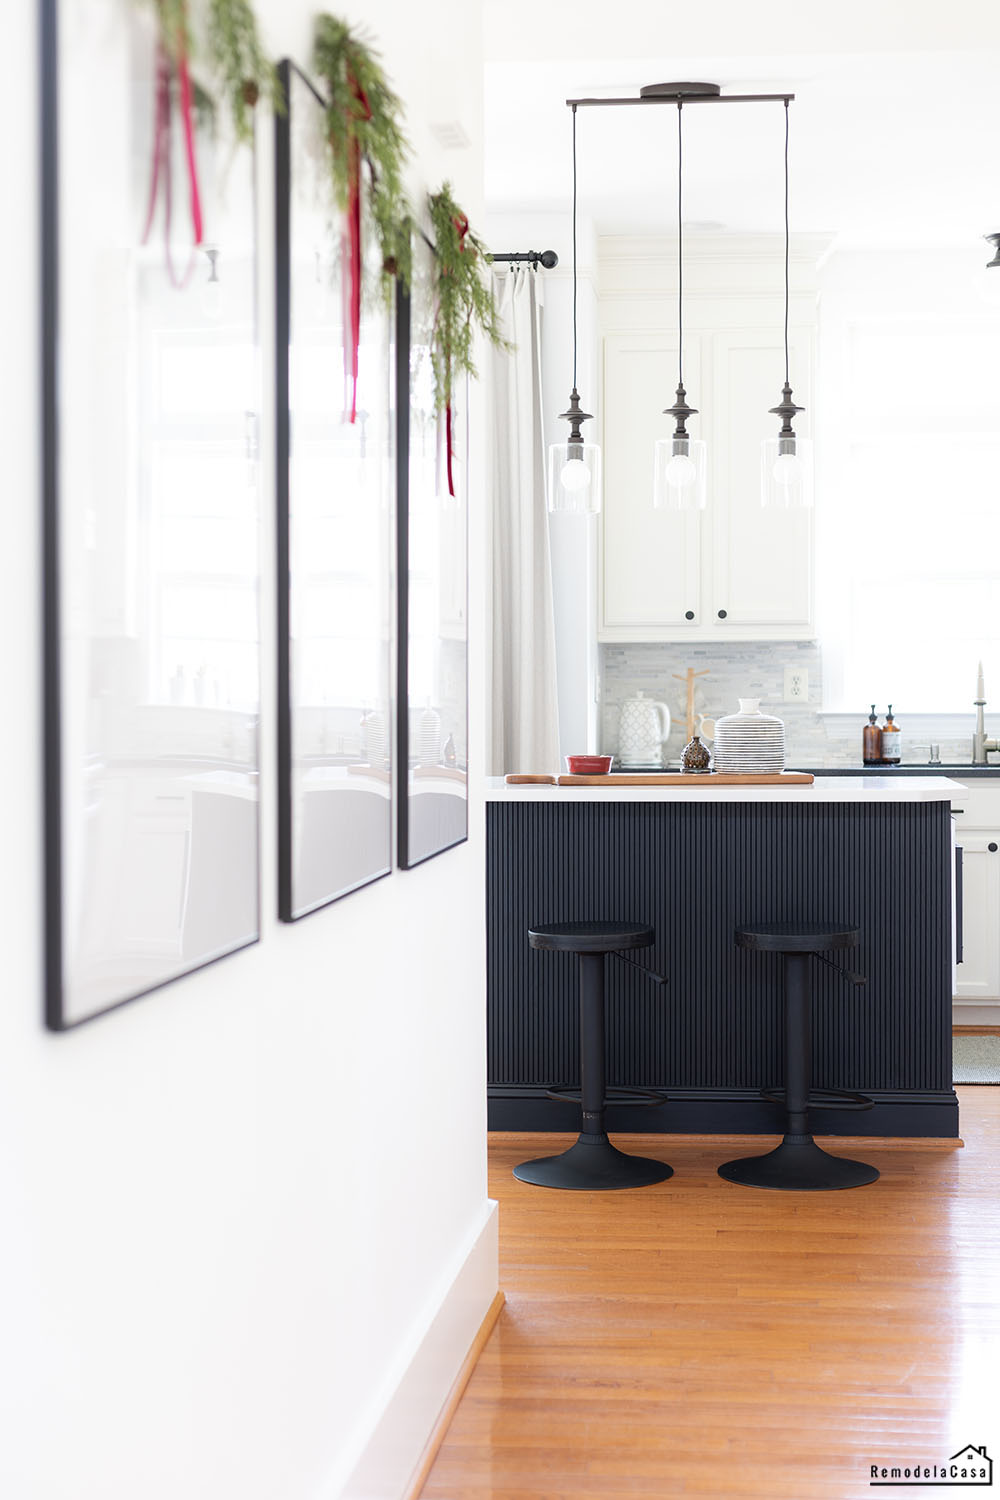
pixel 978 1458
pixel 969 1466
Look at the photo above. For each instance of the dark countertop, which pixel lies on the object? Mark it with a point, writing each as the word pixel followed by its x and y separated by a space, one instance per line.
pixel 957 773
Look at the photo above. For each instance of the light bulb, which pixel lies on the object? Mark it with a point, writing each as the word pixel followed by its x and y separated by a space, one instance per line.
pixel 574 475
pixel 787 469
pixel 680 471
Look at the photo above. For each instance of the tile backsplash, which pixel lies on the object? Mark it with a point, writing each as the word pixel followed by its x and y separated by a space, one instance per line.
pixel 737 669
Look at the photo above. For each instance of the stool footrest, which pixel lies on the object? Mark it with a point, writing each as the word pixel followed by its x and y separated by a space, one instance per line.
pixel 823 1099
pixel 570 1095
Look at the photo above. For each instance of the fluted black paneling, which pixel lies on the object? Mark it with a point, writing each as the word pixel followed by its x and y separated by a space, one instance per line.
pixel 694 871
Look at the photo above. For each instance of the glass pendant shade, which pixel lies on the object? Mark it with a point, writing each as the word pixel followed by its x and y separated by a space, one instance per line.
pixel 786 472
pixel 575 478
pixel 680 468
pixel 987 280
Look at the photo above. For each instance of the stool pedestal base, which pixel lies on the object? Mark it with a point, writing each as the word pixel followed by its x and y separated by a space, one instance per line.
pixel 798 1165
pixel 593 1165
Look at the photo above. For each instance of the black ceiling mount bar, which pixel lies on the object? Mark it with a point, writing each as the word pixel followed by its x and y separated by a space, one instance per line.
pixel 686 98
pixel 546 258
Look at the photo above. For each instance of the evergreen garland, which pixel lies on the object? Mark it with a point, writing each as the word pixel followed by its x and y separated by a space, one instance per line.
pixel 234 54
pixel 464 296
pixel 363 125
pixel 239 60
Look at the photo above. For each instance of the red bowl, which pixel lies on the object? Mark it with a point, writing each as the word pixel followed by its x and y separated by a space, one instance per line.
pixel 588 765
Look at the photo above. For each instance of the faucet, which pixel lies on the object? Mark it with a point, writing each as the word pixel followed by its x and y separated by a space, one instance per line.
pixel 981 746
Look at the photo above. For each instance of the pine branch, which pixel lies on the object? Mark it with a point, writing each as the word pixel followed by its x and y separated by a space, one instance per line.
pixel 363 123
pixel 464 296
pixel 240 61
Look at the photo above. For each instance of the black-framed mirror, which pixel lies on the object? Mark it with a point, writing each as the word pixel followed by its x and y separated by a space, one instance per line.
pixel 336 491
pixel 432 571
pixel 151 516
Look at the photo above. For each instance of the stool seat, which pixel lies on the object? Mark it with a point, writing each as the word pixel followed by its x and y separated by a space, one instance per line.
pixel 590 937
pixel 797 937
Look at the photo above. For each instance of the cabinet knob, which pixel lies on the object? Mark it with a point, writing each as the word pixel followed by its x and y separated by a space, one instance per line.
pixel 992 848
pixel 723 613
pixel 689 614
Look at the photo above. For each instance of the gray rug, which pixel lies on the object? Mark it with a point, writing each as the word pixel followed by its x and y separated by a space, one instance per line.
pixel 975 1059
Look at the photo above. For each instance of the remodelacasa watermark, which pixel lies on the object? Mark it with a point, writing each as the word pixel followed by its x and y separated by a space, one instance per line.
pixel 970 1465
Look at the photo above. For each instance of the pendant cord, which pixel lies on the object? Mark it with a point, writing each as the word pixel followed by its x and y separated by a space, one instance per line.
pixel 787 382
pixel 680 251
pixel 574 247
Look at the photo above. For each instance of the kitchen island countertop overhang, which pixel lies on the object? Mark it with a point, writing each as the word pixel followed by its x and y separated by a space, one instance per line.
pixel 695 862
pixel 873 788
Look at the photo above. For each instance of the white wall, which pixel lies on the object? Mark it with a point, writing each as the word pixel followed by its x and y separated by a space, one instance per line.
pixel 232 1209
pixel 908 406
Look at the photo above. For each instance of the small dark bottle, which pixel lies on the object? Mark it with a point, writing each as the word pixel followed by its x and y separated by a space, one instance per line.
pixel 891 739
pixel 871 753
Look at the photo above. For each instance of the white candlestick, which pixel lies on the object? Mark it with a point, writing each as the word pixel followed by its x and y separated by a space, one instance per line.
pixel 980 690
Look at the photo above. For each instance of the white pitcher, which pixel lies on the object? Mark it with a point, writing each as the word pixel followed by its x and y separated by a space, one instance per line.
pixel 643 728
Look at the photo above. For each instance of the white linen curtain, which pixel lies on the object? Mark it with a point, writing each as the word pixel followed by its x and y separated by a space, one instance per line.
pixel 525 714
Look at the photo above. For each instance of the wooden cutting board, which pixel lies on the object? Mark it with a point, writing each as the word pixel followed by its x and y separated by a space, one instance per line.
pixel 681 778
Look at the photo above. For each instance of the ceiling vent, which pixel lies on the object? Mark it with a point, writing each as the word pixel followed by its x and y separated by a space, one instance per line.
pixel 451 135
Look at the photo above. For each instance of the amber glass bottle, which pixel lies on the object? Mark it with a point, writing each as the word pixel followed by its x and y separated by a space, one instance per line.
pixel 871 753
pixel 891 739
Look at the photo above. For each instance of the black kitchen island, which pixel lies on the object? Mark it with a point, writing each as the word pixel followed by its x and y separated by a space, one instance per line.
pixel 694 863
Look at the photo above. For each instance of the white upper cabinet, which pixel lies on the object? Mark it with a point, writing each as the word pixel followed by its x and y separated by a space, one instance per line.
pixel 651 559
pixel 736 570
pixel 761 564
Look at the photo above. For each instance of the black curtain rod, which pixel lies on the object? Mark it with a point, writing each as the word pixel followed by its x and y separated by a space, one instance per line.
pixel 546 258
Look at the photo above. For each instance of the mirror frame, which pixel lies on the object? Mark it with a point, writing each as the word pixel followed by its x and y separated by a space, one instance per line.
pixel 288 826
pixel 54 233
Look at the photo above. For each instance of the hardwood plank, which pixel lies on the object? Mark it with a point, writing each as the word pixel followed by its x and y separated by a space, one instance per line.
pixel 699 1339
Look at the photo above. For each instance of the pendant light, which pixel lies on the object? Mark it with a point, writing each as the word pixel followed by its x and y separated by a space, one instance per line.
pixel 786 464
pixel 680 460
pixel 575 466
pixel 987 283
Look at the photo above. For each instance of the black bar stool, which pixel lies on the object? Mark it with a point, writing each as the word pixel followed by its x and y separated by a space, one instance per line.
pixel 798 1164
pixel 592 1163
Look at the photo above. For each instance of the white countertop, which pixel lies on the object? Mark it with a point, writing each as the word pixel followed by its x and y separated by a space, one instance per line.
pixel 823 789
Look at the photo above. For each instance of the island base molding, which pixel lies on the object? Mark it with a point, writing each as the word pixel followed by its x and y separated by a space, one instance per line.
pixel 895 1112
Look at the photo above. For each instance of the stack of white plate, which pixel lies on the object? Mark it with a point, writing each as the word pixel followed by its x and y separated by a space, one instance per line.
pixel 749 742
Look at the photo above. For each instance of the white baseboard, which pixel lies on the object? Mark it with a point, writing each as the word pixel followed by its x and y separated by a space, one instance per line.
pixel 430 1362
pixel 975 1013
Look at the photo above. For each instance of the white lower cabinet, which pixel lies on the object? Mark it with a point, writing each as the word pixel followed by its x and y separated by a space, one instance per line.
pixel 977 981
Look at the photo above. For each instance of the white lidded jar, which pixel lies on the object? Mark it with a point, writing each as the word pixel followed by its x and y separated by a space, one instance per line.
pixel 429 736
pixel 749 741
pixel 643 729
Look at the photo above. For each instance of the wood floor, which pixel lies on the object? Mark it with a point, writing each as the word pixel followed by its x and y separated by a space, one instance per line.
pixel 698 1338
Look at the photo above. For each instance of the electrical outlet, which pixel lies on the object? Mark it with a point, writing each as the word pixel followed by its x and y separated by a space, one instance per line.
pixel 796 684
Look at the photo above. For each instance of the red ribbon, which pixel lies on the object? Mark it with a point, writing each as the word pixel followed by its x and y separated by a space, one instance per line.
pixel 449 447
pixel 188 117
pixel 160 169
pixel 352 257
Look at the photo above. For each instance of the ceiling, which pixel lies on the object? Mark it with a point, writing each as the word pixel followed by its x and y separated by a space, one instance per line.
pixel 894 146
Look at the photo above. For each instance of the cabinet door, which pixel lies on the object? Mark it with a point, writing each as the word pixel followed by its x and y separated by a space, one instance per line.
pixel 650 559
pixel 762 558
pixel 979 971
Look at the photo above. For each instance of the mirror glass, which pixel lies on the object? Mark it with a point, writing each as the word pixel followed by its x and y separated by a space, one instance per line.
pixel 433 604
pixel 336 479
pixel 151 494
